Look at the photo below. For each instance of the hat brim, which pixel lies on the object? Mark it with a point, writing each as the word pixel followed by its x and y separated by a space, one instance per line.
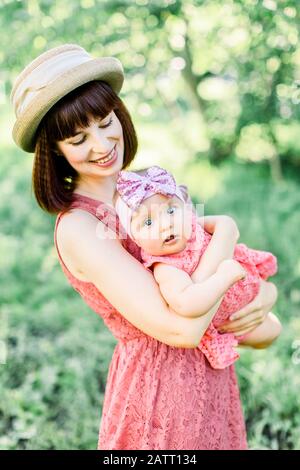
pixel 108 69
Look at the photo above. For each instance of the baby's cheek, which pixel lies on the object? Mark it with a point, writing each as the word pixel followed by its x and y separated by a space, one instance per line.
pixel 140 237
pixel 149 245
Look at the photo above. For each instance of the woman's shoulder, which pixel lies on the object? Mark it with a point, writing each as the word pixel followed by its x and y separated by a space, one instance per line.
pixel 76 224
pixel 72 218
pixel 72 223
pixel 67 233
pixel 76 229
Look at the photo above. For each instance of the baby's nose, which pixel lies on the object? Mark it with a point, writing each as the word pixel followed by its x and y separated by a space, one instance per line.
pixel 165 223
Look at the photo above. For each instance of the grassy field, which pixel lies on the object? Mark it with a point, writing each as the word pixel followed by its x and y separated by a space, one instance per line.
pixel 58 350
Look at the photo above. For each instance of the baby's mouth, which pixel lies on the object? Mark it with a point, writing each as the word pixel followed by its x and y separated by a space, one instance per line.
pixel 170 239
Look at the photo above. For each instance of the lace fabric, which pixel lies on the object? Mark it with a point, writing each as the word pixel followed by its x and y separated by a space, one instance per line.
pixel 158 397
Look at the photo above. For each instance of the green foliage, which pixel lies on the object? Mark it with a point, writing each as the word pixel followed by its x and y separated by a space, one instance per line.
pixel 235 63
pixel 213 79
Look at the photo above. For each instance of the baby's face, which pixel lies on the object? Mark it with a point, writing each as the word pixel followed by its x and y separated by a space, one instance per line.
pixel 161 225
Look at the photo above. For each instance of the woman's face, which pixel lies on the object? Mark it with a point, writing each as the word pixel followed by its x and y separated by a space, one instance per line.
pixel 96 150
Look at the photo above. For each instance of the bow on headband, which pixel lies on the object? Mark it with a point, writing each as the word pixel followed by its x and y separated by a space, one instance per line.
pixel 134 188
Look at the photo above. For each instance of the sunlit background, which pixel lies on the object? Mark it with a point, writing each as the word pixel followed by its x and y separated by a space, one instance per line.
pixel 213 88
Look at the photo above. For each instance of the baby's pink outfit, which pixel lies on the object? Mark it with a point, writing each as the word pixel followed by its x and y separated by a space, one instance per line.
pixel 219 349
pixel 157 397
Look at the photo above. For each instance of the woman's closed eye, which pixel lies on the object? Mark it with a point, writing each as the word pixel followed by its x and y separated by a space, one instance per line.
pixel 79 142
pixel 84 136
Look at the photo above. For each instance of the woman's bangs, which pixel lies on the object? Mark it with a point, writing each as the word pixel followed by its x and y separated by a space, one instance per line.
pixel 76 110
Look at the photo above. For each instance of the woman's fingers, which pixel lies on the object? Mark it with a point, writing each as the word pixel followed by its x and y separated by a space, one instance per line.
pixel 263 301
pixel 252 314
pixel 252 307
pixel 246 330
pixel 254 317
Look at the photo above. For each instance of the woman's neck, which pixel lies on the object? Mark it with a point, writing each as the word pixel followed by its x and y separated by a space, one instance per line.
pixel 103 190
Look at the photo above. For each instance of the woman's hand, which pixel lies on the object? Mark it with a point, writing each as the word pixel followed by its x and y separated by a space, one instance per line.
pixel 245 320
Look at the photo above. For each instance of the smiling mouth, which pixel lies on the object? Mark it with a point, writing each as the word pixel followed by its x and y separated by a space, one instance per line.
pixel 105 159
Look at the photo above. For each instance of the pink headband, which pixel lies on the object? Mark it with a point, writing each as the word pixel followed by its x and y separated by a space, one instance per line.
pixel 134 189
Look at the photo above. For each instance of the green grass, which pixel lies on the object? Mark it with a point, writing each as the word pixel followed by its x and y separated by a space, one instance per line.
pixel 58 350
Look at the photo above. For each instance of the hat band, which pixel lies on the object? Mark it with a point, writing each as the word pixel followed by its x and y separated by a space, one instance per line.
pixel 45 74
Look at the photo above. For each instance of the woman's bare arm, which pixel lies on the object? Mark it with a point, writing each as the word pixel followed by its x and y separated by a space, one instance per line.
pixel 124 282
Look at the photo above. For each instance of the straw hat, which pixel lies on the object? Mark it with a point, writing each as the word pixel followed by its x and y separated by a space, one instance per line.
pixel 50 77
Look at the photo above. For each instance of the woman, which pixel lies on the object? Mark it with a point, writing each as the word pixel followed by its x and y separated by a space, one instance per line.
pixel 161 393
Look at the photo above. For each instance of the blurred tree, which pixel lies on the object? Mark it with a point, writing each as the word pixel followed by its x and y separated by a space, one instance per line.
pixel 236 63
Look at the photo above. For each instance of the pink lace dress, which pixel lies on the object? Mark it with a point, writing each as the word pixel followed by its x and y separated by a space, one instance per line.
pixel 219 349
pixel 158 397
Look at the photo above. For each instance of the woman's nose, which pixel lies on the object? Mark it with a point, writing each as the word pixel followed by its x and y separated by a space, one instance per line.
pixel 100 143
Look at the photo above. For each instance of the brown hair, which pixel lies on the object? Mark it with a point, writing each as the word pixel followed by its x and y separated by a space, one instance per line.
pixel 53 178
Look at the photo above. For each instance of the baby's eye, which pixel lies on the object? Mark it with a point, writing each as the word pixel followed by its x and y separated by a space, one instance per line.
pixel 171 210
pixel 148 222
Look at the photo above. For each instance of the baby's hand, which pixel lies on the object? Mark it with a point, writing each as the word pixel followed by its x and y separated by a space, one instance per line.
pixel 232 269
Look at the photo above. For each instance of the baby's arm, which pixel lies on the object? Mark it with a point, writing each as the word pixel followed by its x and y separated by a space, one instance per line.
pixel 191 299
pixel 220 247
pixel 264 334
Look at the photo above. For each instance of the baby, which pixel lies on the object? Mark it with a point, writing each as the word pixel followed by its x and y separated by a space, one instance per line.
pixel 172 239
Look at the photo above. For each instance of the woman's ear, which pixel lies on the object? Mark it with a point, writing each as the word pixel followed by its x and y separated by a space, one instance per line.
pixel 57 152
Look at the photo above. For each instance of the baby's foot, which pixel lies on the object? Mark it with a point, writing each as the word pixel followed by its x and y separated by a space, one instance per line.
pixel 233 269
